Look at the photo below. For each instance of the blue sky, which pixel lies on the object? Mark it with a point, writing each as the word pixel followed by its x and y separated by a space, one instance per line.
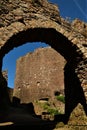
pixel 72 8
pixel 68 9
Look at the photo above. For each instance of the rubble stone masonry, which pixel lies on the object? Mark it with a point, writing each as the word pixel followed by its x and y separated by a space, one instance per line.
pixel 39 75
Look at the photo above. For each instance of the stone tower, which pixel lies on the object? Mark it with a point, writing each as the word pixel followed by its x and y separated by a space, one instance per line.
pixel 39 74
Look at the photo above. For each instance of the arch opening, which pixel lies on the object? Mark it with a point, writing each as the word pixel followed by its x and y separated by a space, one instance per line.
pixel 41 88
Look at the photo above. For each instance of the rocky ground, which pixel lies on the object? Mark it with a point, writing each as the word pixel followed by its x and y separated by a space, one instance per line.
pixel 43 119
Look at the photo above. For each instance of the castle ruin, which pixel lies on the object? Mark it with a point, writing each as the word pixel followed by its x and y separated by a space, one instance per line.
pixel 24 21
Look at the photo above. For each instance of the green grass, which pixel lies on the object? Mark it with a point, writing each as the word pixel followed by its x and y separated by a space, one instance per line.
pixel 52 111
pixel 61 98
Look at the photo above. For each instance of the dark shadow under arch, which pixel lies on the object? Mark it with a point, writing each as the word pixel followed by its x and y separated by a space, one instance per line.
pixel 62 45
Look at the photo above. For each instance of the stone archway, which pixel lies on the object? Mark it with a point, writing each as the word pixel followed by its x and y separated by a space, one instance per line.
pixel 51 29
pixel 59 42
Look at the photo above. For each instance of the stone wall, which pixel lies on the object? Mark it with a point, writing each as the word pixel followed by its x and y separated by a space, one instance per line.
pixel 5 74
pixel 39 75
